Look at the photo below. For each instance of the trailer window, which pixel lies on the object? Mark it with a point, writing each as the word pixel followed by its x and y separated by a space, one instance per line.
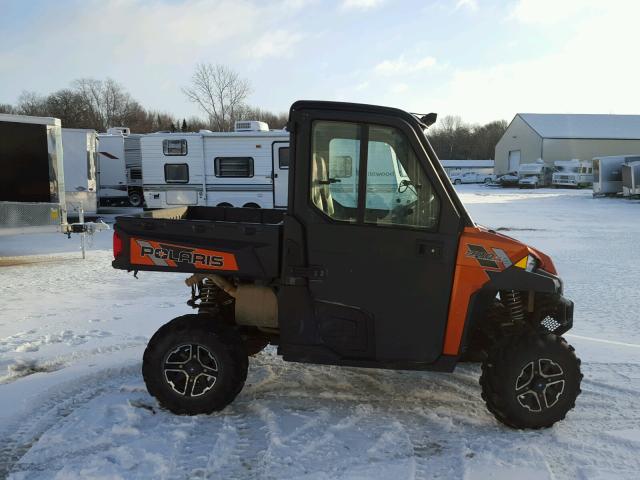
pixel 234 167
pixel 283 157
pixel 174 147
pixel 176 173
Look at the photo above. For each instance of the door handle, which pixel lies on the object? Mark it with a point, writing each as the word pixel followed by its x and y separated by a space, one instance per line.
pixel 429 249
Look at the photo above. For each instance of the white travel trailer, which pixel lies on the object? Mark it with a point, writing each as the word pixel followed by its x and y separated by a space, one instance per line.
pixel 631 179
pixel 79 149
pixel 572 173
pixel 245 168
pixel 607 173
pixel 534 175
pixel 133 166
pixel 120 168
pixel 32 194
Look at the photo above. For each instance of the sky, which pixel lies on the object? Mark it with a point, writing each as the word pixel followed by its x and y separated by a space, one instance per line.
pixel 480 59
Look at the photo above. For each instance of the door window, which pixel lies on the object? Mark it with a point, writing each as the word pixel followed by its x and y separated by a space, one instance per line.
pixel 283 157
pixel 334 180
pixel 398 190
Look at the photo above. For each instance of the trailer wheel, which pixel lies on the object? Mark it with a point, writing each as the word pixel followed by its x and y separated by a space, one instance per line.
pixel 193 365
pixel 532 381
pixel 135 199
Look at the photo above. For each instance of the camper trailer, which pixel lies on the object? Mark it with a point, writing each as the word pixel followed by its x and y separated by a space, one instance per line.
pixel 534 175
pixel 120 164
pixel 607 173
pixel 244 168
pixel 80 173
pixel 32 192
pixel 631 179
pixel 572 173
pixel 133 166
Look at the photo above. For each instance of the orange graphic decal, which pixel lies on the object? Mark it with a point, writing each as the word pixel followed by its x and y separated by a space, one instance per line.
pixel 161 254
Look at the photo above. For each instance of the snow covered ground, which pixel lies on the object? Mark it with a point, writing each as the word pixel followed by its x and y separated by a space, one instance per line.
pixel 73 403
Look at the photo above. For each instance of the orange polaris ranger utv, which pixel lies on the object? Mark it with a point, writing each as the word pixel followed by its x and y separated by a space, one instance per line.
pixel 374 263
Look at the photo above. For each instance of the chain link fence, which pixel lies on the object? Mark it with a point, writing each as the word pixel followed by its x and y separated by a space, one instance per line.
pixel 20 215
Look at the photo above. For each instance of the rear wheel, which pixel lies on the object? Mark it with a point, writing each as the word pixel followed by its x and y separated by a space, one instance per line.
pixel 531 382
pixel 193 365
pixel 135 199
pixel 457 181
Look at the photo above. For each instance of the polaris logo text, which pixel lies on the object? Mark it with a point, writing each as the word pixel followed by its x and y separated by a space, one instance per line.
pixel 182 256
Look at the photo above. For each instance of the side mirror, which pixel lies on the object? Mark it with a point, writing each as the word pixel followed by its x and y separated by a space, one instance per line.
pixel 429 119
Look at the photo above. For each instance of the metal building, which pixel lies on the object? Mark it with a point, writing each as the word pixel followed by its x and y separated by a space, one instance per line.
pixel 551 137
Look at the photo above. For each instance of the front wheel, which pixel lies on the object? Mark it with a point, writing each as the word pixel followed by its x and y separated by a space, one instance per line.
pixel 532 381
pixel 457 181
pixel 194 365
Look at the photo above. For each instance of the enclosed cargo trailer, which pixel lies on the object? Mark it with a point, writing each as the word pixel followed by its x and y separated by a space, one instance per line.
pixel 79 147
pixel 607 173
pixel 32 188
pixel 631 179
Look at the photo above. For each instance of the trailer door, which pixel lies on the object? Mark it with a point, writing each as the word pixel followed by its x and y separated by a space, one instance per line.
pixel 280 155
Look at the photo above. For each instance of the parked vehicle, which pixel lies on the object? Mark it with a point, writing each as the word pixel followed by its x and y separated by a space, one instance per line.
pixel 508 179
pixel 133 165
pixel 119 168
pixel 534 175
pixel 471 177
pixel 631 179
pixel 245 168
pixel 607 173
pixel 317 279
pixel 80 172
pixel 573 173
pixel 32 194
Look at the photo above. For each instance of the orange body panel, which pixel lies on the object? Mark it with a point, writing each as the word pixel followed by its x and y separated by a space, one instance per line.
pixel 479 250
pixel 149 252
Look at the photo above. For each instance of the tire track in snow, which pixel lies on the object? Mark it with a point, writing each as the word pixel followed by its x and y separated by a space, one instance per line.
pixel 57 405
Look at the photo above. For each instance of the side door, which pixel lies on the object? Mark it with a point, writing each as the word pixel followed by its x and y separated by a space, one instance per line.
pixel 280 158
pixel 384 256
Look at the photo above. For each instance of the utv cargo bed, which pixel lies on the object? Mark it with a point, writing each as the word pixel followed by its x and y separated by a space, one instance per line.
pixel 242 242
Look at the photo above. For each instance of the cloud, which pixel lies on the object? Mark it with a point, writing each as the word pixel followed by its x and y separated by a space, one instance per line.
pixel 550 12
pixel 360 4
pixel 589 71
pixel 402 66
pixel 399 88
pixel 468 4
pixel 150 48
pixel 278 43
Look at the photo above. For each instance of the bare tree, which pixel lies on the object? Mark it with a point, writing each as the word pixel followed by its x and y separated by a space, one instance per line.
pixel 108 102
pixel 7 108
pixel 30 103
pixel 219 92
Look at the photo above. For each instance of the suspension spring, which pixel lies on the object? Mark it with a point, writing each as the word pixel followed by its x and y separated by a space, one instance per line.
pixel 208 293
pixel 512 299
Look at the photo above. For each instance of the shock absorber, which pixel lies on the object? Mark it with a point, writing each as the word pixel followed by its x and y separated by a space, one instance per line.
pixel 208 293
pixel 512 299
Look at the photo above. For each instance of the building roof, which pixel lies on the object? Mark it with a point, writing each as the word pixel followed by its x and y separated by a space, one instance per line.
pixel 557 125
pixel 467 163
